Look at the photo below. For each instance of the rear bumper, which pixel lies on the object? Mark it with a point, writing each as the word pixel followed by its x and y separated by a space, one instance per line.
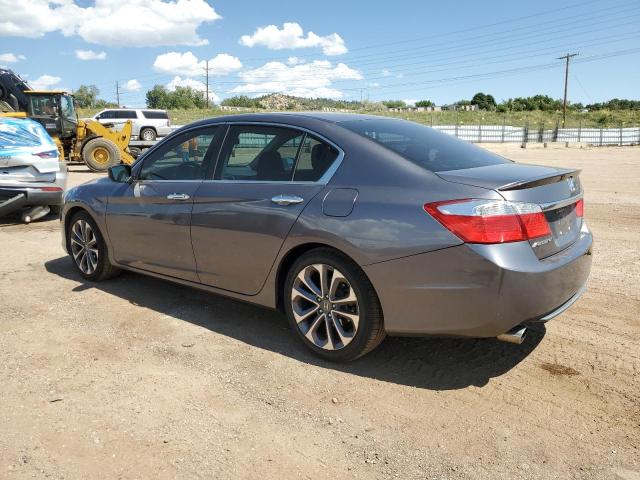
pixel 33 196
pixel 32 192
pixel 479 290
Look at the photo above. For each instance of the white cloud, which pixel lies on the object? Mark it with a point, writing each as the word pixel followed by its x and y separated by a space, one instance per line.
pixel 44 82
pixel 132 85
pixel 189 65
pixel 307 80
pixel 11 57
pixel 387 73
pixel 292 36
pixel 295 60
pixel 374 84
pixel 132 23
pixel 90 55
pixel 194 84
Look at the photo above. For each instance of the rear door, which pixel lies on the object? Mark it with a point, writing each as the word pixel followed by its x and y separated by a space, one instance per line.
pixel 148 221
pixel 264 178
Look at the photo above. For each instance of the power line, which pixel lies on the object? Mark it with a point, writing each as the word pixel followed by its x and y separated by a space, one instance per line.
pixel 459 45
pixel 454 32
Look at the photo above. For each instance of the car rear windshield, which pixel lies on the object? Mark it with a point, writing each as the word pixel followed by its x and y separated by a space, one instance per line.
pixel 424 146
pixel 155 115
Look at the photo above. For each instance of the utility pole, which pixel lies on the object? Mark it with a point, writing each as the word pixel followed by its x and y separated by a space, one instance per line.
pixel 206 73
pixel 117 94
pixel 566 80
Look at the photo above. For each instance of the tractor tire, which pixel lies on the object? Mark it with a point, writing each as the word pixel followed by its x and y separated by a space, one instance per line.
pixel 99 154
pixel 135 152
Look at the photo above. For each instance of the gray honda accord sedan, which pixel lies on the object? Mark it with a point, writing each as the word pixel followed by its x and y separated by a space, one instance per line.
pixel 354 226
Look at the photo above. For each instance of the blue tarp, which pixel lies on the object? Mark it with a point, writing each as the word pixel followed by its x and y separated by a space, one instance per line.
pixel 20 134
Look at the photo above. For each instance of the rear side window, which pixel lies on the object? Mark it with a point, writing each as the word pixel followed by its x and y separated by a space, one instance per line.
pixel 125 114
pixel 155 115
pixel 424 146
pixel 259 153
pixel 314 160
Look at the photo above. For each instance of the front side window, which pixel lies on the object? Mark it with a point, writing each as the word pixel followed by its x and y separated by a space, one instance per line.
pixel 259 153
pixel 185 157
pixel 68 110
pixel 426 147
pixel 107 115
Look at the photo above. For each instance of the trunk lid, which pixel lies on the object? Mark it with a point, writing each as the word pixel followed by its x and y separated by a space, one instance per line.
pixel 556 190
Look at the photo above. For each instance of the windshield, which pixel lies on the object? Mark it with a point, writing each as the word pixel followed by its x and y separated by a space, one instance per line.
pixel 424 146
pixel 42 105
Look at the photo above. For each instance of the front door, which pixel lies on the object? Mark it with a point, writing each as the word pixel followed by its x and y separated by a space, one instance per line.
pixel 148 221
pixel 264 178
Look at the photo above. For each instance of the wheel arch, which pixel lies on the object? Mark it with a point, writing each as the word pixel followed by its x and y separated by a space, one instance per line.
pixel 71 212
pixel 289 259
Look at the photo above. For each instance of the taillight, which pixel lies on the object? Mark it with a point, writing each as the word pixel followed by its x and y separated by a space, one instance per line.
pixel 47 154
pixel 490 221
pixel 580 208
pixel 50 189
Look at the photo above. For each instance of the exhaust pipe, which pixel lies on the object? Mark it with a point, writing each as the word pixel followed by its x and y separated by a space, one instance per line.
pixel 515 335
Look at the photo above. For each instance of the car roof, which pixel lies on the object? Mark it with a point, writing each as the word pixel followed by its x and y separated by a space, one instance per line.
pixel 124 109
pixel 289 117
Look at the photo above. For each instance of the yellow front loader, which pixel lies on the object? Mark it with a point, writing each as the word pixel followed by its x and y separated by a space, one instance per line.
pixel 101 147
pixel 78 140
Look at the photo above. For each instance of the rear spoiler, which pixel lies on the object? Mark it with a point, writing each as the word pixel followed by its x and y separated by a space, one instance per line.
pixel 542 180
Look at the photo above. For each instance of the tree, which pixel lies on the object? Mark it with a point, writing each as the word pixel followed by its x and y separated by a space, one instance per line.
pixel 242 101
pixel 101 103
pixel 527 104
pixel 157 97
pixel 182 98
pixel 484 101
pixel 86 96
pixel 394 104
pixel 615 104
pixel 425 103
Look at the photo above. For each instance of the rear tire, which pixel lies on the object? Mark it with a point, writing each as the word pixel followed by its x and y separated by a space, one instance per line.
pixel 88 250
pixel 148 134
pixel 339 318
pixel 99 154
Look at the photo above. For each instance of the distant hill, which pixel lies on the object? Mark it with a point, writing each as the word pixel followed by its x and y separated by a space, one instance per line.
pixel 279 101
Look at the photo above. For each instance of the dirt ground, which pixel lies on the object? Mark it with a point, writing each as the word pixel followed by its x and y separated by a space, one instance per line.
pixel 140 378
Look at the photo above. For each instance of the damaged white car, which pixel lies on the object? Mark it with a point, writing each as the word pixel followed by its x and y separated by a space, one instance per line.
pixel 32 177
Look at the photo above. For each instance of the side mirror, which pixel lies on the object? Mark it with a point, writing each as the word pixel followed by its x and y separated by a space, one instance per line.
pixel 120 173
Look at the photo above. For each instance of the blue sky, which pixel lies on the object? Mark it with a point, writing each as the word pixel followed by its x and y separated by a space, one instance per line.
pixel 409 50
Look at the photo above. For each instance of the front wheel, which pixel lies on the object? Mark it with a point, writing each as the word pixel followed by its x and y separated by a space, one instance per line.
pixel 87 248
pixel 100 153
pixel 332 306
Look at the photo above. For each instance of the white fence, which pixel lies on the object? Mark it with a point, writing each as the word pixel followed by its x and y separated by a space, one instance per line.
pixel 509 134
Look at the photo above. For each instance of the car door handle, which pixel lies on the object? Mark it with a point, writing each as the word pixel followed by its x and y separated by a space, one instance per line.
pixel 287 200
pixel 178 196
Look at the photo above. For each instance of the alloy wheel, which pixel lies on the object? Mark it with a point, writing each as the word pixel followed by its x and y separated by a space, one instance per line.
pixel 84 246
pixel 325 306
